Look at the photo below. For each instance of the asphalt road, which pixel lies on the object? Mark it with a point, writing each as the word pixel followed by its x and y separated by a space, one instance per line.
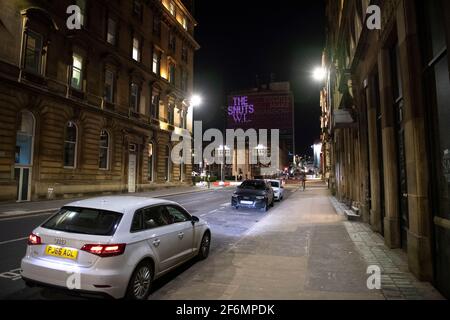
pixel 227 226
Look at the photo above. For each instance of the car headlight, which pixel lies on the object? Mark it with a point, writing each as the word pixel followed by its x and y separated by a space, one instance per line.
pixel 260 197
pixel 234 195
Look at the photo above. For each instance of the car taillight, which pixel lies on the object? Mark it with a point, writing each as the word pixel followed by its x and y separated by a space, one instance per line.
pixel 34 240
pixel 105 250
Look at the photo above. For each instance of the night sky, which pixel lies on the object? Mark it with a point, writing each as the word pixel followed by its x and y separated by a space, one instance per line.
pixel 242 39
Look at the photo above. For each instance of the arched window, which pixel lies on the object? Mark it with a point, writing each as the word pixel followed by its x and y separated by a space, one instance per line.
pixel 24 139
pixel 70 145
pixel 150 162
pixel 104 150
pixel 167 164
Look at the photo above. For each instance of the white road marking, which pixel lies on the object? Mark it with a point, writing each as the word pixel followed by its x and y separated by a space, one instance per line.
pixel 225 204
pixel 15 240
pixel 13 275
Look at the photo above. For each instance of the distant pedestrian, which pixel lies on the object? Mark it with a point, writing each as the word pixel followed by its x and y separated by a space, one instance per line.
pixel 303 180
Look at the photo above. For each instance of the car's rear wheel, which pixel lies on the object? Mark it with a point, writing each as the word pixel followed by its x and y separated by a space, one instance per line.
pixel 140 282
pixel 205 245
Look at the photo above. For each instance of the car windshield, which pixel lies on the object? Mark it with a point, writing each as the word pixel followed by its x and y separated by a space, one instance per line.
pixel 84 221
pixel 275 184
pixel 253 185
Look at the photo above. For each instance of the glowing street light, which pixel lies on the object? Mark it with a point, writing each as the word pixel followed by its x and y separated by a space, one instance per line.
pixel 319 74
pixel 196 100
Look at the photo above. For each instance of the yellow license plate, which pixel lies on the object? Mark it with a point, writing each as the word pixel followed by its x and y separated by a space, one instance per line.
pixel 66 253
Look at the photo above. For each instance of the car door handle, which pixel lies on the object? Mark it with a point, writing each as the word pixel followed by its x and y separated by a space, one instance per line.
pixel 181 235
pixel 156 243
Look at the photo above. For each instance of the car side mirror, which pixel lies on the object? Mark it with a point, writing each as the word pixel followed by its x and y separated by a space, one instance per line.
pixel 195 220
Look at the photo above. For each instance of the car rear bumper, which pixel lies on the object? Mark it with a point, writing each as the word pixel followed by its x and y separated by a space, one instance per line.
pixel 33 283
pixel 39 272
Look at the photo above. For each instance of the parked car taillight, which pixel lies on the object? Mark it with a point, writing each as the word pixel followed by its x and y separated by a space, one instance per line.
pixel 34 240
pixel 105 250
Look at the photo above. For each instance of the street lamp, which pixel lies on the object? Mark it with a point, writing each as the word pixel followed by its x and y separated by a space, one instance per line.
pixel 319 74
pixel 193 102
pixel 196 100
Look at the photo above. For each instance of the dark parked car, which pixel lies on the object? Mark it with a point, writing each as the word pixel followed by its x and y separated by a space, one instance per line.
pixel 255 194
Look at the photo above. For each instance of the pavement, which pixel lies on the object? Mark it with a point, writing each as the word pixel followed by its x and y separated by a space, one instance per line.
pixel 397 282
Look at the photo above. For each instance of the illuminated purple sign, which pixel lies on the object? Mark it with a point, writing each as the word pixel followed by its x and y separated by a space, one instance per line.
pixel 241 109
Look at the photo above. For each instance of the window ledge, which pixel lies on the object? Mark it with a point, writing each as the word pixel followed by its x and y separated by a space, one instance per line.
pixel 34 77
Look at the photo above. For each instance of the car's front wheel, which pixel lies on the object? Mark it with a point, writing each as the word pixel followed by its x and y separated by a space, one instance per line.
pixel 204 246
pixel 140 282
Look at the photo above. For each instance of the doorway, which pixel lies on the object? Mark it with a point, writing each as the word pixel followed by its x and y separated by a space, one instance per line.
pixel 399 110
pixel 24 156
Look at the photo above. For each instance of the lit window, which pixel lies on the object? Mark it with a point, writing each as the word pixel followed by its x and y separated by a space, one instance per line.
pixel 109 86
pixel 150 163
pixel 172 8
pixel 112 31
pixel 33 52
pixel 156 63
pixel 184 23
pixel 136 49
pixel 77 72
pixel 104 150
pixel 70 145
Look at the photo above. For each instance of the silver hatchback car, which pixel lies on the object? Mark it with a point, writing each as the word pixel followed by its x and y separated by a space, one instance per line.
pixel 114 246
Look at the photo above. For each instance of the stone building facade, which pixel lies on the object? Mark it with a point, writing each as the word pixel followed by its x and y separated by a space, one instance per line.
pixel 92 110
pixel 385 124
